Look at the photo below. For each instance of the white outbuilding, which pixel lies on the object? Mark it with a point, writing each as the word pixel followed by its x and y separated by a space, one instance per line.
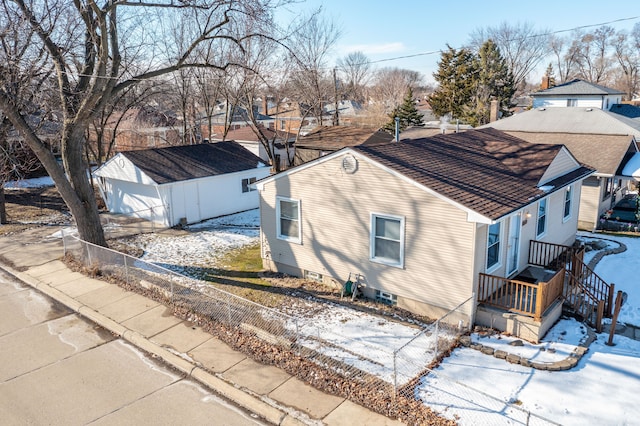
pixel 182 184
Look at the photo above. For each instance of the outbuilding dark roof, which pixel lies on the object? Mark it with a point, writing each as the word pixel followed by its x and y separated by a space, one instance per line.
pixel 178 163
pixel 485 170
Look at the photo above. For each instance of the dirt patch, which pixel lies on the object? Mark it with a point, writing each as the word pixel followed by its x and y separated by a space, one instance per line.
pixel 32 207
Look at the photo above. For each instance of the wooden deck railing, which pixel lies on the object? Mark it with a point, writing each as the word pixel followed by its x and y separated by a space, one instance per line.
pixel 583 280
pixel 587 293
pixel 519 296
pixel 549 255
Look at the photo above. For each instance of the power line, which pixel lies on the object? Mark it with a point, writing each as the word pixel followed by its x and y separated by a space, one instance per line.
pixel 433 52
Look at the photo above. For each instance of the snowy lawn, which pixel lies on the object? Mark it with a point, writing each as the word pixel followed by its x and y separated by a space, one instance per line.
pixel 361 340
pixel 480 389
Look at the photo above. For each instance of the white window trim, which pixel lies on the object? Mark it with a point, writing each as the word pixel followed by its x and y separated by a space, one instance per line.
pixel 249 183
pixel 546 216
pixel 372 240
pixel 278 225
pixel 498 264
pixel 564 203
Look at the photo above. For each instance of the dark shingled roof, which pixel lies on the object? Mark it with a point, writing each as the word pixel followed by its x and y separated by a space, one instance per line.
pixel 577 87
pixel 629 111
pixel 178 163
pixel 333 138
pixel 487 171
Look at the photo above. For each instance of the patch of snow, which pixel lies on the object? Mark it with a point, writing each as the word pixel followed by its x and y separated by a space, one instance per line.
pixel 40 182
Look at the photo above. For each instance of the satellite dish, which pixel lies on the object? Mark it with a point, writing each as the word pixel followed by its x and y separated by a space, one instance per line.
pixel 349 163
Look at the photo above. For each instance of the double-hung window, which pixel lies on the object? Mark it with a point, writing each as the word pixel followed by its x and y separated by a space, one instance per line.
pixel 387 239
pixel 288 214
pixel 493 245
pixel 542 217
pixel 246 184
pixel 568 195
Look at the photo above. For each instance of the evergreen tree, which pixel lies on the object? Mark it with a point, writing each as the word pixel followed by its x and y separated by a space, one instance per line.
pixel 550 75
pixel 494 82
pixel 406 112
pixel 456 78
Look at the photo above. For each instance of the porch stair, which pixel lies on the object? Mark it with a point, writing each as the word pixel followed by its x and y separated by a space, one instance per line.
pixel 585 294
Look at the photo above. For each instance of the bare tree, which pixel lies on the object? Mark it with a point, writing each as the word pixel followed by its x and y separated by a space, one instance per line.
pixel 627 53
pixel 391 84
pixel 565 51
pixel 314 38
pixel 521 45
pixel 594 54
pixel 83 42
pixel 355 69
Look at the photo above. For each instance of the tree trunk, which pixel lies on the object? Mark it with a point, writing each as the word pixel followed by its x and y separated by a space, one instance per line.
pixel 80 196
pixel 74 187
pixel 3 207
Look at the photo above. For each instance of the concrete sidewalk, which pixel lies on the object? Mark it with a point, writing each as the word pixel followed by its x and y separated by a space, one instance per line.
pixel 280 398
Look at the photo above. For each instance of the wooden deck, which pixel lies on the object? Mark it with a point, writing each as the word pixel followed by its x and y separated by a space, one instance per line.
pixel 524 298
pixel 572 281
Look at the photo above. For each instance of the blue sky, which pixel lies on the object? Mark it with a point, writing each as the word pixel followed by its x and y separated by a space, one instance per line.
pixel 394 28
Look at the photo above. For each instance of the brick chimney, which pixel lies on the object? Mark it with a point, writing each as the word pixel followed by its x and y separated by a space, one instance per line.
pixel 265 105
pixel 546 81
pixel 494 110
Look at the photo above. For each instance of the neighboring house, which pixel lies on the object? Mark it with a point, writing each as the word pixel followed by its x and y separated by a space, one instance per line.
pixel 282 143
pixel 141 128
pixel 225 117
pixel 182 184
pixel 327 139
pixel 577 93
pixel 293 117
pixel 601 139
pixel 347 111
pixel 430 224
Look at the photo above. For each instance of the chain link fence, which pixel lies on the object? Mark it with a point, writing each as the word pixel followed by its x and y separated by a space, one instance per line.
pixel 385 379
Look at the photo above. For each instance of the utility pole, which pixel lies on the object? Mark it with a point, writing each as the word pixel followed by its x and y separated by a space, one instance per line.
pixel 336 119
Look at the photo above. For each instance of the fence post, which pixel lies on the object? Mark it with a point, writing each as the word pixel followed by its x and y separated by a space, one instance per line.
pixel 395 375
pixel 437 329
pixel 298 344
pixel 126 270
pixel 229 309
pixel 88 246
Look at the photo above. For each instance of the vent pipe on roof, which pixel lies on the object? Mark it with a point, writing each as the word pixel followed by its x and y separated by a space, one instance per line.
pixel 397 132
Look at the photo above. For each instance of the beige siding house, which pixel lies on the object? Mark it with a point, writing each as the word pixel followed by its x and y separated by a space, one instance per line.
pixel 421 220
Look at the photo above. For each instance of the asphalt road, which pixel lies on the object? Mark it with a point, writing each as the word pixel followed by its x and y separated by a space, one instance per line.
pixel 57 368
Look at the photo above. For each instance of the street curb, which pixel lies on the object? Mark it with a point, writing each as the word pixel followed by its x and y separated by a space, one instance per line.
pixel 264 410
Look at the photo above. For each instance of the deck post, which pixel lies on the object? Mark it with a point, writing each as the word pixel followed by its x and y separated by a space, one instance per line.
pixel 610 300
pixel 599 316
pixel 540 297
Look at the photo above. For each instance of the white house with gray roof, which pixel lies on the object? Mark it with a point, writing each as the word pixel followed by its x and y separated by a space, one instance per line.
pixel 577 93
pixel 181 184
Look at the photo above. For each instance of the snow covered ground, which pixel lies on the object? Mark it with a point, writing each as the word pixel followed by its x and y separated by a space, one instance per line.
pixel 602 389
